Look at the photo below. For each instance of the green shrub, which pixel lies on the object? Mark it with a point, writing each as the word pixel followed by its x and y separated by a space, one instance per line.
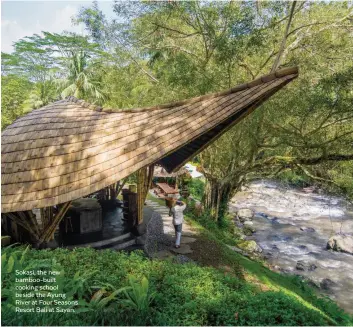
pixel 196 188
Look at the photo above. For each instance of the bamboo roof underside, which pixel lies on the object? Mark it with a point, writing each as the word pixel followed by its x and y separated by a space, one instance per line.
pixel 69 149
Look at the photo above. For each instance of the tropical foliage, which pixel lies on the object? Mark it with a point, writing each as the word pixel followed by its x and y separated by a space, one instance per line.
pixel 115 288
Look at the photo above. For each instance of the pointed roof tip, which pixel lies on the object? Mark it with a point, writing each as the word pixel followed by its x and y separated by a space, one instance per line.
pixel 287 71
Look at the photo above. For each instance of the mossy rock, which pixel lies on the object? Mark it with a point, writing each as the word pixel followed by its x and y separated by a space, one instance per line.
pixel 248 230
pixel 238 233
pixel 249 246
pixel 245 214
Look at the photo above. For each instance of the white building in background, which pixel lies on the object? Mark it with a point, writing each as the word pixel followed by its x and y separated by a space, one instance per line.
pixel 193 172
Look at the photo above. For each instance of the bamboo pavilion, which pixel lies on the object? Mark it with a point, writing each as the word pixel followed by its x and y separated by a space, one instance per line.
pixel 70 148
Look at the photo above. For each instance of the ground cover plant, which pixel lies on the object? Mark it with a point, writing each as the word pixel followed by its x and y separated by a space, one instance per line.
pixel 117 288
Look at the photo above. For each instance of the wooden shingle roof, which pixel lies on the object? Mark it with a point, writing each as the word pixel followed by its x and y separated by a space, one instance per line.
pixel 69 149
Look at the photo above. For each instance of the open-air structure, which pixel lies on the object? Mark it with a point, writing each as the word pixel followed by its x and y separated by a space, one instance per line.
pixel 70 148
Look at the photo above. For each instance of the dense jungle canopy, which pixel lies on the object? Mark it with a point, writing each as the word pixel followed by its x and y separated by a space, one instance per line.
pixel 157 52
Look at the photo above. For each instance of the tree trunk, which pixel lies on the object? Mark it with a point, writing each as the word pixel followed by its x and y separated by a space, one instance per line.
pixel 284 40
pixel 217 197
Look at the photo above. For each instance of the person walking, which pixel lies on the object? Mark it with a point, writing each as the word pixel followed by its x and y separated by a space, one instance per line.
pixel 178 219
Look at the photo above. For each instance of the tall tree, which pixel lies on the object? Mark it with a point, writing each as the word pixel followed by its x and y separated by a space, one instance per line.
pixel 81 81
pixel 14 92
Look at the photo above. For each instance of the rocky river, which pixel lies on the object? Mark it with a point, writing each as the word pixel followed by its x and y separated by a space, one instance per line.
pixel 293 226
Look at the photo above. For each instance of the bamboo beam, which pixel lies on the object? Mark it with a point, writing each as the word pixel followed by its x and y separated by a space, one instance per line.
pixel 120 185
pixel 42 217
pixel 20 219
pixel 28 222
pixel 49 230
pixel 15 219
pixel 34 221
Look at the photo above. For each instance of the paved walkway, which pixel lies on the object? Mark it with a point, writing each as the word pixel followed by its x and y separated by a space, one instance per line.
pixel 168 230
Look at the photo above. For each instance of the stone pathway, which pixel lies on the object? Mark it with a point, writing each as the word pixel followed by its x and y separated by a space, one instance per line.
pixel 168 230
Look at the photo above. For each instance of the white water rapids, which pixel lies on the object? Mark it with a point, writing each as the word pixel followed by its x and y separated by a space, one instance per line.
pixel 292 225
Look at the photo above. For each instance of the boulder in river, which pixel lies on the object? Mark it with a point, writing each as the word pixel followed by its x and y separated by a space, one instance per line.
pixel 305 266
pixel 249 246
pixel 245 214
pixel 307 229
pixel 248 230
pixel 327 284
pixel 238 233
pixel 341 243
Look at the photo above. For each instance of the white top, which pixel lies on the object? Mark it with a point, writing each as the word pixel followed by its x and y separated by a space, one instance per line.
pixel 177 212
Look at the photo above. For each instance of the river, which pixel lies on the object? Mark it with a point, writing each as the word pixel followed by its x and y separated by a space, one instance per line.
pixel 293 225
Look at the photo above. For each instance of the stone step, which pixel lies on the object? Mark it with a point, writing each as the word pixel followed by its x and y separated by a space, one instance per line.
pixel 184 249
pixel 187 240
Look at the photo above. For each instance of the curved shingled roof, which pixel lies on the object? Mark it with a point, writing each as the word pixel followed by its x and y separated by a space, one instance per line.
pixel 69 149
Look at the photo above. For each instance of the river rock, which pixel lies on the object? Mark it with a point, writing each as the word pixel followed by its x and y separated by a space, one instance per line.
pixel 249 246
pixel 238 233
pixel 341 243
pixel 303 247
pixel 237 223
pixel 245 214
pixel 327 284
pixel 248 230
pixel 305 266
pixel 275 248
pixel 307 229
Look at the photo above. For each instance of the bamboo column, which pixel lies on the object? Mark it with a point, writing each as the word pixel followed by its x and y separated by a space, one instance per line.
pixel 23 219
pixel 49 230
pixel 49 222
pixel 144 180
